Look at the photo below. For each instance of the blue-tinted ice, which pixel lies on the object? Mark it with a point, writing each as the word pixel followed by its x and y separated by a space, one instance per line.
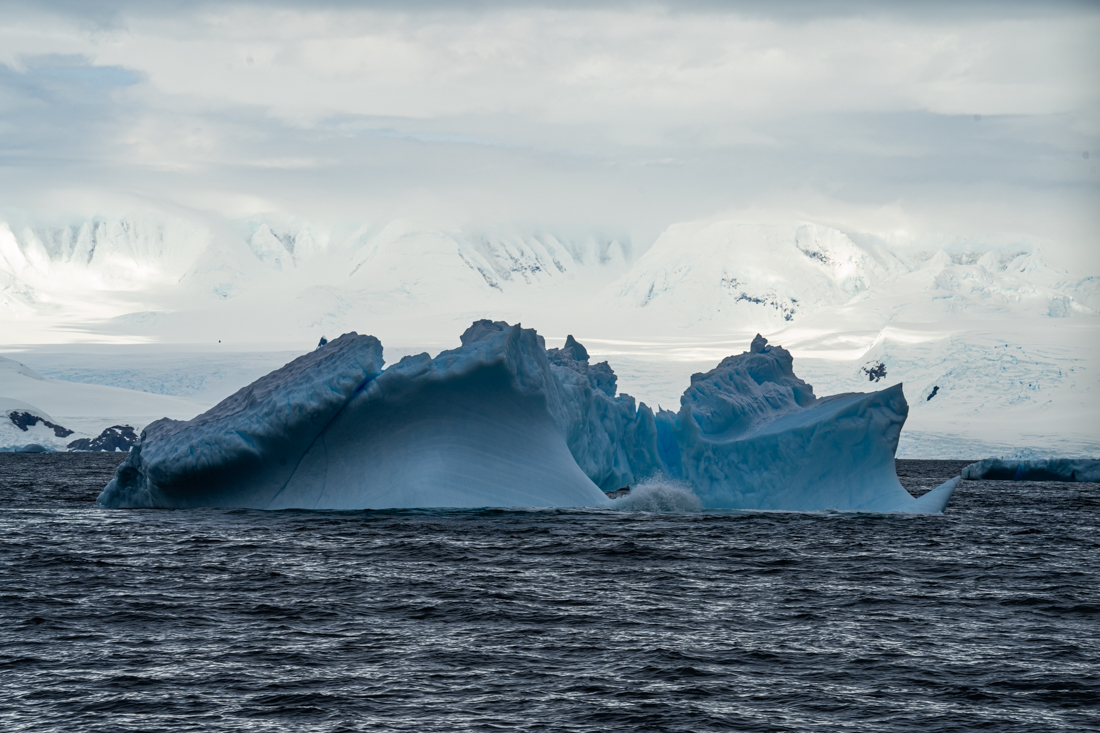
pixel 502 421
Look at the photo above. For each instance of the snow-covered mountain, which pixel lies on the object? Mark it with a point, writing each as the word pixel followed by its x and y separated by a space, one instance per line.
pixel 998 349
pixel 727 274
pixel 149 278
pixel 168 278
pixel 1002 333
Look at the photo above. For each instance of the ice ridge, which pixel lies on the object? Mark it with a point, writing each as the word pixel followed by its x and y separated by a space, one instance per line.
pixel 244 450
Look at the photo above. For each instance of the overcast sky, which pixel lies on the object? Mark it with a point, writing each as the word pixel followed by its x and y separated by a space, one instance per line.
pixel 621 115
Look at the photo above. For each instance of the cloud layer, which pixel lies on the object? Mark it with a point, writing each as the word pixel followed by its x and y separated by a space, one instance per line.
pixel 620 114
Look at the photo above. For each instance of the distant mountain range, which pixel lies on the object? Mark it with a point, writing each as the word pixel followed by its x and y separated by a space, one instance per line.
pixel 118 276
pixel 994 341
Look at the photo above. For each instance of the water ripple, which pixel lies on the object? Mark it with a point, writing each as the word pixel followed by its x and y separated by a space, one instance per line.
pixel 983 619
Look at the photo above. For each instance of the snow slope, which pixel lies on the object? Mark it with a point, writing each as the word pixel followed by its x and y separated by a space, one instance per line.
pixel 169 279
pixel 718 273
pixel 85 409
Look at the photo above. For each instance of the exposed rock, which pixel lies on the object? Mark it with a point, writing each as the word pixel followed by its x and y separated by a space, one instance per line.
pixel 114 438
pixel 25 420
pixel 875 372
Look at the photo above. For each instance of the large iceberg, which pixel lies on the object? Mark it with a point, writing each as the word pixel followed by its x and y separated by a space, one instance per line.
pixel 502 421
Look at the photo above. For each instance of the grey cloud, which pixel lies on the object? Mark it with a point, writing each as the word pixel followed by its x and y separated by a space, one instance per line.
pixel 72 76
pixel 72 123
pixel 60 108
pixel 112 13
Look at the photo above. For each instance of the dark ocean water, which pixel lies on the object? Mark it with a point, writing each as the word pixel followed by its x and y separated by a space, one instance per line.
pixel 985 619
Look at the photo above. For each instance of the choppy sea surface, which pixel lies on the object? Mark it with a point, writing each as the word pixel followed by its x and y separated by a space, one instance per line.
pixel 984 619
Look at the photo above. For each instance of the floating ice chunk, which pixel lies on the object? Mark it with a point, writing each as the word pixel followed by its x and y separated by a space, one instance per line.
pixel 1050 469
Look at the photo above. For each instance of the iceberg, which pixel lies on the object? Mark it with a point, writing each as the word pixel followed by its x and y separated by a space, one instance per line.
pixel 1050 469
pixel 502 421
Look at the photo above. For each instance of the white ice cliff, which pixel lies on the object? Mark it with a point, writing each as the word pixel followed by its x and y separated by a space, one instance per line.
pixel 503 422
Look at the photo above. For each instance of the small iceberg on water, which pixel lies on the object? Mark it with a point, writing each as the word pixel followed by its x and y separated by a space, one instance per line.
pixel 502 421
pixel 1049 469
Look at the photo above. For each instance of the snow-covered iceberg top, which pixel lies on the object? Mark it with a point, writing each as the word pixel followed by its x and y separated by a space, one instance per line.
pixel 502 421
pixel 1049 469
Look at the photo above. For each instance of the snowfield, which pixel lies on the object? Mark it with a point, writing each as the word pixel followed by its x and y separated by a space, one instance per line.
pixel 84 409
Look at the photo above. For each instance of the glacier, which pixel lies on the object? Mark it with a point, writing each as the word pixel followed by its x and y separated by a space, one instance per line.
pixel 502 421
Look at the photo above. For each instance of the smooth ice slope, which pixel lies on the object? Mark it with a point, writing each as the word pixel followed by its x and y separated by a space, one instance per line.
pixel 1051 469
pixel 502 421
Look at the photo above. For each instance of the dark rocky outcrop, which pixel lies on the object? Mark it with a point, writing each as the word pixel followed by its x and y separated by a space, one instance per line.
pixel 875 372
pixel 25 420
pixel 115 438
